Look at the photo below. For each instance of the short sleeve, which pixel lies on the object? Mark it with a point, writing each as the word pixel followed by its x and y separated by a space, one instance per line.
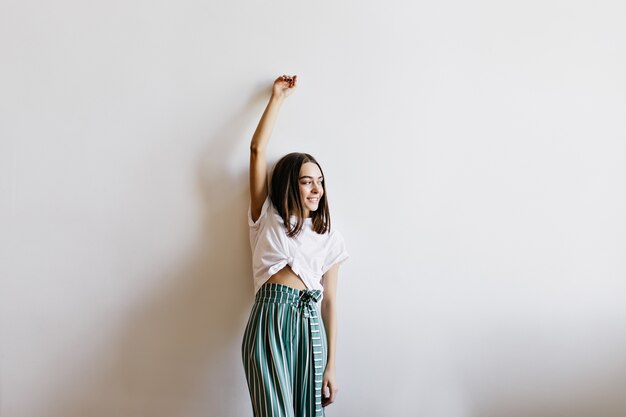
pixel 264 209
pixel 337 252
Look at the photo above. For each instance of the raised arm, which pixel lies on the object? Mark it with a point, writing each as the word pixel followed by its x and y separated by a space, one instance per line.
pixel 283 86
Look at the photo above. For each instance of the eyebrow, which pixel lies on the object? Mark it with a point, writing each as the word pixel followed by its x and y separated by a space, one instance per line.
pixel 308 176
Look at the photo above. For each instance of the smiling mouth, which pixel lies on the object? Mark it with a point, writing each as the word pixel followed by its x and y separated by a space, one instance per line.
pixel 313 199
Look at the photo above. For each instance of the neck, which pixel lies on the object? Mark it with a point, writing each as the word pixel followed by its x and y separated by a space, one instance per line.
pixel 307 214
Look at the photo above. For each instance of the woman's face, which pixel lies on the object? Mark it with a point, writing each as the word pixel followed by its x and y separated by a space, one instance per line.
pixel 311 187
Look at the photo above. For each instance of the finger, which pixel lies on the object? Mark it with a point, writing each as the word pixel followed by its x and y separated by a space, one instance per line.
pixel 326 400
pixel 327 395
pixel 333 393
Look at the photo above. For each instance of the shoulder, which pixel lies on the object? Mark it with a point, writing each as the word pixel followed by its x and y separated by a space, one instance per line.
pixel 333 240
pixel 335 235
pixel 267 207
pixel 336 251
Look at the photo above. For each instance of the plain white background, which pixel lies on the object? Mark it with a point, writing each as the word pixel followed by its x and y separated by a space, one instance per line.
pixel 475 155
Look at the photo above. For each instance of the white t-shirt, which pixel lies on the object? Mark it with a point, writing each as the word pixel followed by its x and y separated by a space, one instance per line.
pixel 309 254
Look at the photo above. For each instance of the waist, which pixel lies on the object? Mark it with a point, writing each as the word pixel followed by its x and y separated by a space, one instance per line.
pixel 287 277
pixel 277 293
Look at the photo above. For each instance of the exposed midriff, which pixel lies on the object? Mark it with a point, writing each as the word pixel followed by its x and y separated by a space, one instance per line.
pixel 287 277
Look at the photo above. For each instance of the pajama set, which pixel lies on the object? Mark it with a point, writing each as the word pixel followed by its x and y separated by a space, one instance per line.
pixel 284 348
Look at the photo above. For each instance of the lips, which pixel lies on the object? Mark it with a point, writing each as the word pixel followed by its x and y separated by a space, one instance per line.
pixel 313 199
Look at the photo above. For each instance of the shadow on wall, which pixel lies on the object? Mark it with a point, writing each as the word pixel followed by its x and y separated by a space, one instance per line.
pixel 174 354
pixel 604 399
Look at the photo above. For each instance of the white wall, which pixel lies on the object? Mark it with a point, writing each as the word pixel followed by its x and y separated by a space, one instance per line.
pixel 475 155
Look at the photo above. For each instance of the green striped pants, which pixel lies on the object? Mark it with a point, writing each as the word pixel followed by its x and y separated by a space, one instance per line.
pixel 284 352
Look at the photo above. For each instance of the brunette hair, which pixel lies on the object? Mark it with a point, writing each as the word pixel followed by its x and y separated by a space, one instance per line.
pixel 285 194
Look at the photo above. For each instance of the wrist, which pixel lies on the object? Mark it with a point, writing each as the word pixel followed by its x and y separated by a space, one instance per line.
pixel 278 99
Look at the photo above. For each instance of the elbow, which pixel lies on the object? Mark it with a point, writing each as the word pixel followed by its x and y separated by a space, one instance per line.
pixel 328 303
pixel 256 149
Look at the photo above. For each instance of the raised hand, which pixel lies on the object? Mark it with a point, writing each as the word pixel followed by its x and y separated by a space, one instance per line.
pixel 284 85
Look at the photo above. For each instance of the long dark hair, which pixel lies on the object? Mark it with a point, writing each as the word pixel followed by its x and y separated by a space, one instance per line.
pixel 285 194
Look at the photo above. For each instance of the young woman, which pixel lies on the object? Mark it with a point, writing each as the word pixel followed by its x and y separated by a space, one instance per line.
pixel 288 352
